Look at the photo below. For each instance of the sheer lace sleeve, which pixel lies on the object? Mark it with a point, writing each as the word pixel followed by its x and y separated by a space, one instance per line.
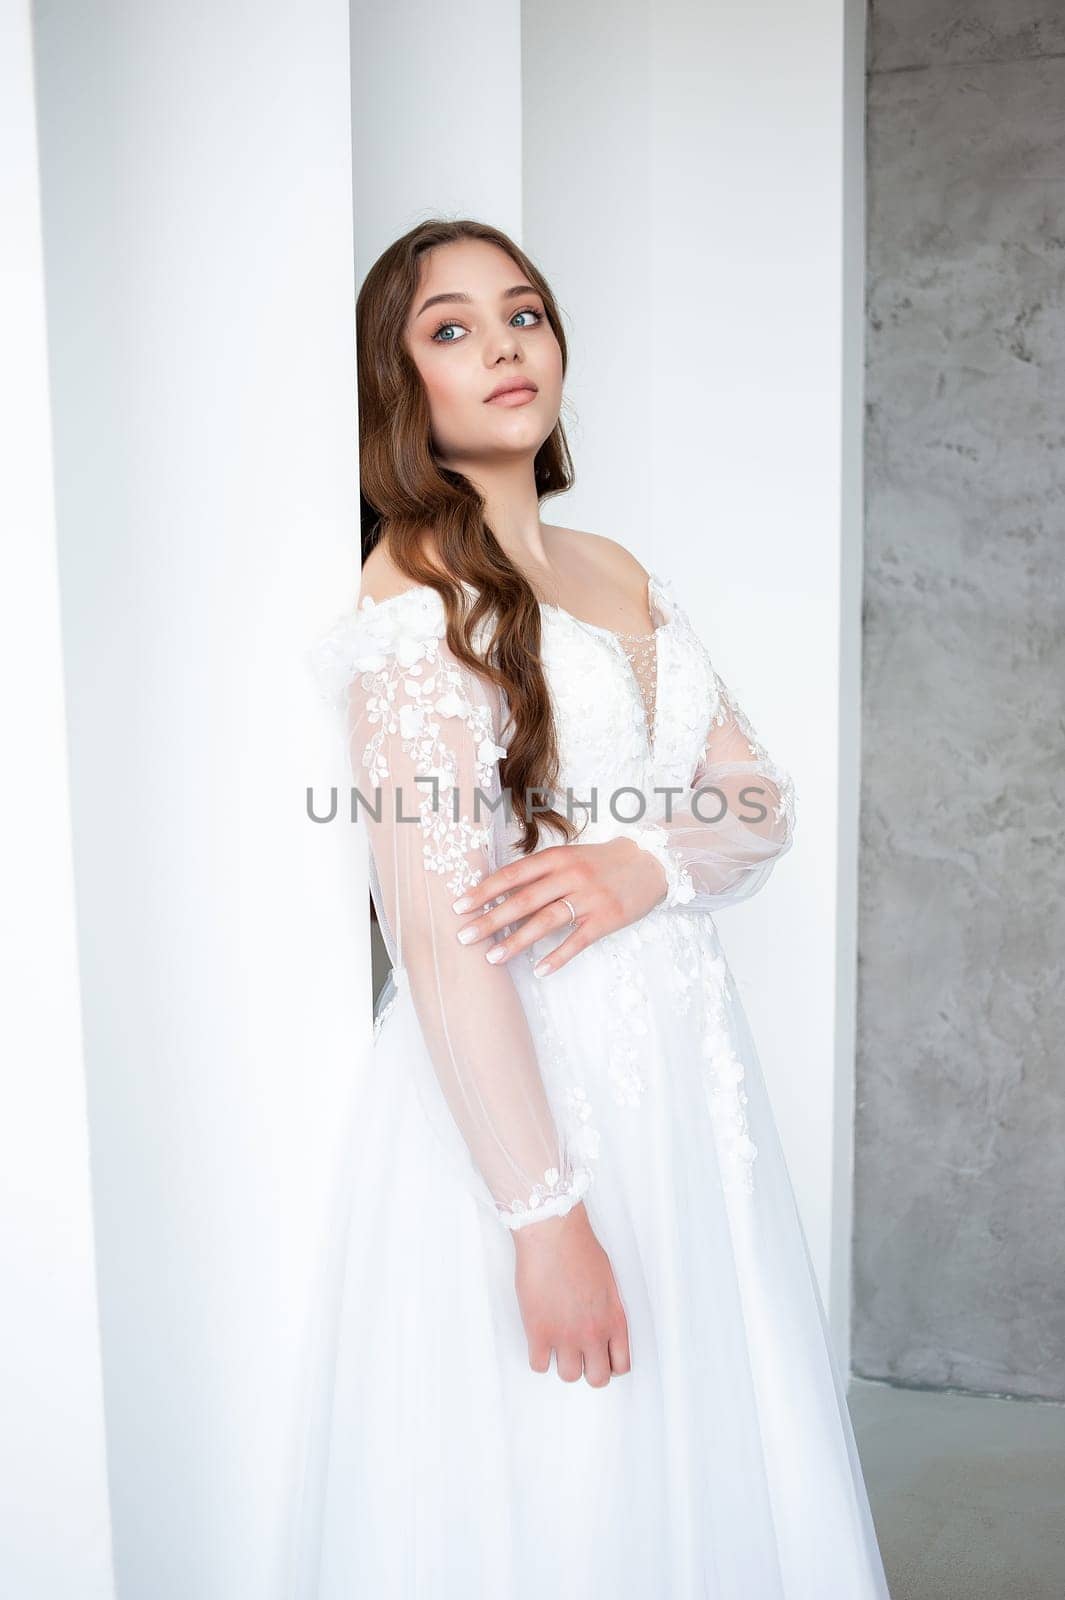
pixel 737 820
pixel 423 736
pixel 721 839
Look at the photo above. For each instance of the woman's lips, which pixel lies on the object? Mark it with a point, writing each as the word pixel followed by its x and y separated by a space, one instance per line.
pixel 512 397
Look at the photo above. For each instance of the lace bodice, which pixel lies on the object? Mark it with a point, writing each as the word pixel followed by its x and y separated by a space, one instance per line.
pixel 640 649
pixel 641 721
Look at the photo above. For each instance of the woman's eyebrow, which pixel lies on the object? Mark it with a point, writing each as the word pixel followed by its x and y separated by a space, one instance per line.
pixel 457 297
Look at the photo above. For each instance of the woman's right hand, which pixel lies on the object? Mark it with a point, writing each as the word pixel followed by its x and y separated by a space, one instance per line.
pixel 569 1300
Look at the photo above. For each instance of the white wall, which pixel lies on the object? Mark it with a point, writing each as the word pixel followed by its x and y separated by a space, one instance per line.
pixel 436 116
pixel 683 175
pixel 55 1533
pixel 196 178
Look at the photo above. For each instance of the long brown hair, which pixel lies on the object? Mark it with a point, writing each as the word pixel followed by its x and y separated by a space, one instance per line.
pixel 406 492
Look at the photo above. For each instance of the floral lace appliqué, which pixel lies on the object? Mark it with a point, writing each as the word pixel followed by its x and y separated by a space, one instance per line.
pixel 412 701
pixel 628 1020
pixel 725 1082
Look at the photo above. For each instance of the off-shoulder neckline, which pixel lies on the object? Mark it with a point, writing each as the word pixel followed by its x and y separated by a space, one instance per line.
pixel 656 592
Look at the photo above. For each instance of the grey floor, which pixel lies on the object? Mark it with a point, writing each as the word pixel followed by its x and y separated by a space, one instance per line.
pixel 968 1494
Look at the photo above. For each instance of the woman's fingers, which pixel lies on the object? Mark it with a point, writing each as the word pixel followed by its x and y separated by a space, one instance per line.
pixel 618 1345
pixel 539 1352
pixel 510 878
pixel 553 916
pixel 569 1363
pixel 597 1364
pixel 549 920
pixel 579 940
pixel 520 903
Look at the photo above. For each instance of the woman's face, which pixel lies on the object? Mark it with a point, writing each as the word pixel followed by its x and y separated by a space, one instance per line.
pixel 485 327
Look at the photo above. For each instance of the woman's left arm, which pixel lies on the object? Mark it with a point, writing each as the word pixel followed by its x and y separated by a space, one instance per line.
pixel 716 845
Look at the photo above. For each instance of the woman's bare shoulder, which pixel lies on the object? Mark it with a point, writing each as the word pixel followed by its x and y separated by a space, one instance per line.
pixel 611 561
pixel 381 578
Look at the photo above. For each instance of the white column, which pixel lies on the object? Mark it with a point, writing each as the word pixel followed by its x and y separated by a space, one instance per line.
pixel 684 171
pixel 55 1531
pixel 436 117
pixel 196 176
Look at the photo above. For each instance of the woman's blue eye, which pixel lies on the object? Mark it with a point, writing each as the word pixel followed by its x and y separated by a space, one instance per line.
pixel 526 311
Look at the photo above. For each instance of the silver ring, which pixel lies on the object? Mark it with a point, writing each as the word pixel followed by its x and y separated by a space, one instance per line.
pixel 572 913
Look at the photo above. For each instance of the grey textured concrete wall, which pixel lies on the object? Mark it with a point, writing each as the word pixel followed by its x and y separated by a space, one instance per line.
pixel 959 1267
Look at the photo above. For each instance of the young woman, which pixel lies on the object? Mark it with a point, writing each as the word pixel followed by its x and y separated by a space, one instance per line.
pixel 563 1144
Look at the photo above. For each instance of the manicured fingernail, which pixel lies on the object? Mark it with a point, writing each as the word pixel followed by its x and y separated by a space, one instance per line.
pixel 541 969
pixel 465 904
pixel 498 952
pixel 467 935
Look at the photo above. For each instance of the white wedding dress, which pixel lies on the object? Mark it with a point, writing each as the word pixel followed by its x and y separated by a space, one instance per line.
pixel 439 1465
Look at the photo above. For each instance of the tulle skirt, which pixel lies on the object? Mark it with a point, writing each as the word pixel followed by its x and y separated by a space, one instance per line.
pixel 723 1466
